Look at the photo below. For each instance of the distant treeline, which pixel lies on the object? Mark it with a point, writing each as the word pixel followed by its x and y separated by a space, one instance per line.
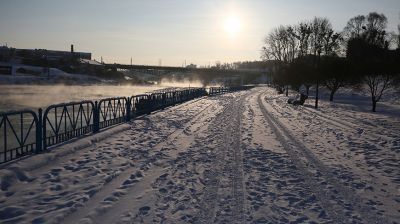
pixel 311 53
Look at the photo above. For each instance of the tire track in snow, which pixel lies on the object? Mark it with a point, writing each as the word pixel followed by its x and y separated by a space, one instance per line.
pixel 109 188
pixel 230 121
pixel 345 124
pixel 334 210
pixel 209 202
pixel 234 141
pixel 368 138
pixel 124 209
pixel 342 124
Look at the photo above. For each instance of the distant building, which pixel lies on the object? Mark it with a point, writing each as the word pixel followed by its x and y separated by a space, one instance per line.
pixel 6 53
pixel 191 65
pixel 90 62
pixel 51 54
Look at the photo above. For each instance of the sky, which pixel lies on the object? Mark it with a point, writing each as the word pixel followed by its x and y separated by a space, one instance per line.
pixel 169 32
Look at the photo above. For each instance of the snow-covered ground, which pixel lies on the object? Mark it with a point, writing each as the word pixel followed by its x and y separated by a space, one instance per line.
pixel 244 157
pixel 53 76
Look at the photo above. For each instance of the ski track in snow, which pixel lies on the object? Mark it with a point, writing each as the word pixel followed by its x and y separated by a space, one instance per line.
pixel 373 145
pixel 361 162
pixel 328 188
pixel 116 206
pixel 225 190
pixel 65 187
pixel 244 157
pixel 276 189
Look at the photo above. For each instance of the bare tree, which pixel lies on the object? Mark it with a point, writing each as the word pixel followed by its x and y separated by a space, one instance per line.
pixel 280 46
pixel 355 27
pixel 375 35
pixel 335 70
pixel 323 41
pixel 398 37
pixel 378 85
pixel 370 55
pixel 319 29
pixel 302 33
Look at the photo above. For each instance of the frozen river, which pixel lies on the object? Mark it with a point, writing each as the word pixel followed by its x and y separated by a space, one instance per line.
pixel 16 97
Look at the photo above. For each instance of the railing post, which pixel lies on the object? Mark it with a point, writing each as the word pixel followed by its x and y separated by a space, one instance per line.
pixel 39 133
pixel 96 118
pixel 44 132
pixel 164 101
pixel 128 109
pixel 149 104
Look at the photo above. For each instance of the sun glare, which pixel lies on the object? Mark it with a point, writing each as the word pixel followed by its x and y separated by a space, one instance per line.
pixel 232 25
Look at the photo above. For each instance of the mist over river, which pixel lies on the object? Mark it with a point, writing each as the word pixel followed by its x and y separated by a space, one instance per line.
pixel 16 97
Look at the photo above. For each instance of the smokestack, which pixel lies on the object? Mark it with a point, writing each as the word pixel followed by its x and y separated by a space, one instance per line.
pixel 72 48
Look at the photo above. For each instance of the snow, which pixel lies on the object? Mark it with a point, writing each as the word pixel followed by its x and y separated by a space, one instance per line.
pixel 244 157
pixel 53 76
pixel 91 62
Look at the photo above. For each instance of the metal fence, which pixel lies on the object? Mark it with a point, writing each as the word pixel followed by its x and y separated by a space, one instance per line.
pixel 112 111
pixel 65 121
pixel 221 90
pixel 20 133
pixel 26 132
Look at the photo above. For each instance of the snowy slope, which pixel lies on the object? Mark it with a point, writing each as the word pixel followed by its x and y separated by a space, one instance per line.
pixel 54 75
pixel 244 157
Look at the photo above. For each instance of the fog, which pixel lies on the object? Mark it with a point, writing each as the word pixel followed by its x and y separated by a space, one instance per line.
pixel 16 97
pixel 181 83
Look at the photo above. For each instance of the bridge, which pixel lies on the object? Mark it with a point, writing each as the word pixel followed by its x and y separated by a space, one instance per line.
pixel 153 69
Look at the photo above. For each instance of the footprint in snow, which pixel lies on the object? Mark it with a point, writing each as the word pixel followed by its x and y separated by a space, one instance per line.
pixel 144 210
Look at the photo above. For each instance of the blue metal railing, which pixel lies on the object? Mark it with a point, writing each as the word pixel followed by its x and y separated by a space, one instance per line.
pixel 112 111
pixel 26 132
pixel 65 121
pixel 20 134
pixel 140 104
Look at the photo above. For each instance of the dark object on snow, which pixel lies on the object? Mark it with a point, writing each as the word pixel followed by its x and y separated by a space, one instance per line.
pixel 279 90
pixel 298 100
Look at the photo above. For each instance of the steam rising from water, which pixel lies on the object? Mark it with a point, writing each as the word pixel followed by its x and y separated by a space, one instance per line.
pixel 16 97
pixel 181 83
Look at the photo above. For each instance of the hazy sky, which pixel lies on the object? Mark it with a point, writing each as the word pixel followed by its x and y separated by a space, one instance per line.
pixel 200 32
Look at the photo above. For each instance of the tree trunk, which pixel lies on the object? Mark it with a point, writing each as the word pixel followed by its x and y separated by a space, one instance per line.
pixel 316 95
pixel 331 96
pixel 373 106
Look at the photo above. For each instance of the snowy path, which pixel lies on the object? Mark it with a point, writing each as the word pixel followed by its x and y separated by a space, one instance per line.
pixel 244 157
pixel 336 199
pixel 364 156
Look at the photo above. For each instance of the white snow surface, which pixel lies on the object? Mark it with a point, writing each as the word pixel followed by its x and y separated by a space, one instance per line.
pixel 245 157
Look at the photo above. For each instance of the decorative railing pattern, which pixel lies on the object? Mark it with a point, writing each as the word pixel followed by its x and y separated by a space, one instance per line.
pixel 140 105
pixel 20 134
pixel 113 111
pixel 26 132
pixel 65 121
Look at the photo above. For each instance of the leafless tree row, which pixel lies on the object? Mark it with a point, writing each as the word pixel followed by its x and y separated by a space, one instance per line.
pixel 313 53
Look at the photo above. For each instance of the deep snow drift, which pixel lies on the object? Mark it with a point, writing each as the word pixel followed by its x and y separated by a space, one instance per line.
pixel 244 157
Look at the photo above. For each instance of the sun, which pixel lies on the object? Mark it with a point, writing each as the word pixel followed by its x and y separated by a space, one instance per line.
pixel 232 25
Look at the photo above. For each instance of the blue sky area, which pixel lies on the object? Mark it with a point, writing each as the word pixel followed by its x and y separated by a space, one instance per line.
pixel 170 30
